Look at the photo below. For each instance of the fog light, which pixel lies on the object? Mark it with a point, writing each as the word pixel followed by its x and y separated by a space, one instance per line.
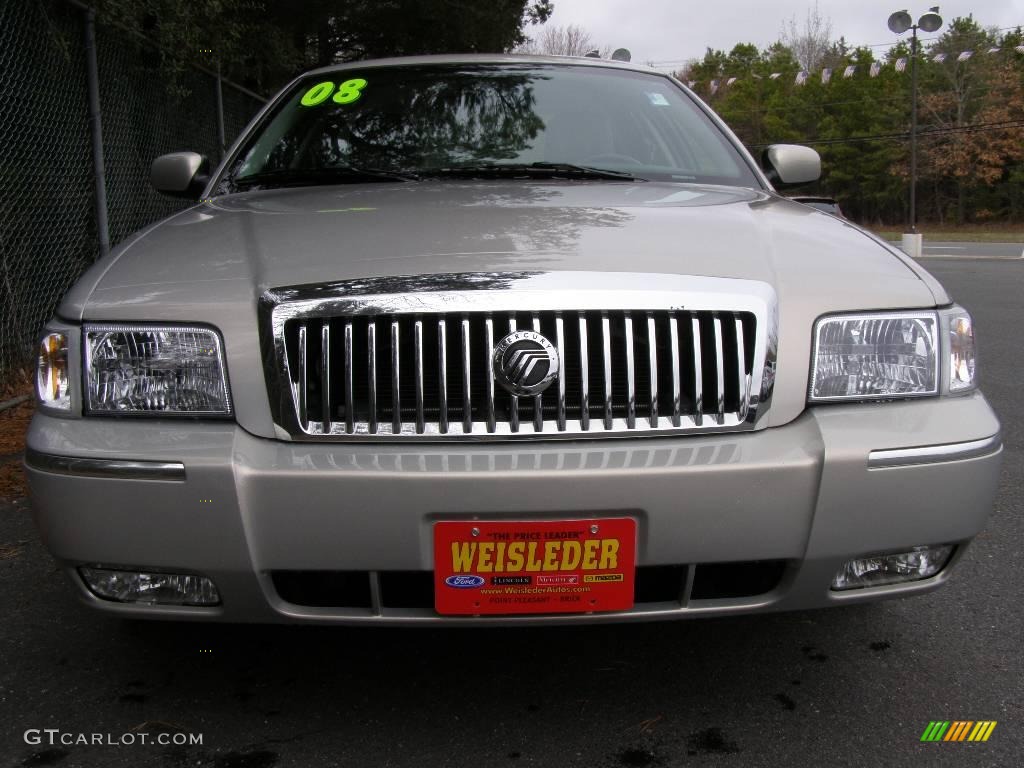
pixel 876 570
pixel 150 588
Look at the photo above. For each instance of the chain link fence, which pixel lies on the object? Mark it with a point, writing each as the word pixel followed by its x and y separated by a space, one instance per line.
pixel 48 223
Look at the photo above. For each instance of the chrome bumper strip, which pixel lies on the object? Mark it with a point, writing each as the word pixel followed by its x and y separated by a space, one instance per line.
pixel 929 454
pixel 121 469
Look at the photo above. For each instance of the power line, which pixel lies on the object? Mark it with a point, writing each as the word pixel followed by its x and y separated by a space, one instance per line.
pixel 765 110
pixel 974 128
pixel 852 48
pixel 930 39
pixel 977 93
pixel 674 62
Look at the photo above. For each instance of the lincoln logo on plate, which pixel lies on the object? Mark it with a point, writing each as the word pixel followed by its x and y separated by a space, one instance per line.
pixel 525 363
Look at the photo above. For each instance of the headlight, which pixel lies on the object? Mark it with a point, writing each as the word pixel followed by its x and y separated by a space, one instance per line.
pixel 875 356
pixel 155 370
pixel 961 351
pixel 52 382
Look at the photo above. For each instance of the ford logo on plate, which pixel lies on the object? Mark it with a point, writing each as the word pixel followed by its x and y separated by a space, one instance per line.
pixel 465 582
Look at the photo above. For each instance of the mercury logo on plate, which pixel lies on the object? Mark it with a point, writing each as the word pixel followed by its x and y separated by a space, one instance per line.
pixel 525 363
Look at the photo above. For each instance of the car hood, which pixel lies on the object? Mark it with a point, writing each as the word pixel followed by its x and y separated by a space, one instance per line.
pixel 272 238
pixel 211 262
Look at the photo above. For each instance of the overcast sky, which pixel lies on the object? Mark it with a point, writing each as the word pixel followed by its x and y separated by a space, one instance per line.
pixel 667 32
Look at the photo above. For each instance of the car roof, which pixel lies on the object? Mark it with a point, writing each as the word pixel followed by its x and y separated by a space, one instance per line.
pixel 486 58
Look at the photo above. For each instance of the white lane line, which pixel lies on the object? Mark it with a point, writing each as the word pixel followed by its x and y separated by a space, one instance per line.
pixel 974 257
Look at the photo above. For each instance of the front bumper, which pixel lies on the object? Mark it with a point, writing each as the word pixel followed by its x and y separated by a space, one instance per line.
pixel 836 483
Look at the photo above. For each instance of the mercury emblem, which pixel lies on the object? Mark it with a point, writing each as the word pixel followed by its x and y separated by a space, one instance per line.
pixel 525 363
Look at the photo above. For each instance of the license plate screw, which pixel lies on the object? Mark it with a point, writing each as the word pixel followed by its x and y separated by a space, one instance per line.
pixel 593 529
pixel 475 531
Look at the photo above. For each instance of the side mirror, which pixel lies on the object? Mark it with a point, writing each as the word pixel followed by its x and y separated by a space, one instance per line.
pixel 180 174
pixel 790 165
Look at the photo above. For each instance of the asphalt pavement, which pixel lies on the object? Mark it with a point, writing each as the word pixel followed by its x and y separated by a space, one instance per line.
pixel 847 686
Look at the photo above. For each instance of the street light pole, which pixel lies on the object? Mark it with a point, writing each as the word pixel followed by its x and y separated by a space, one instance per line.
pixel 913 132
pixel 899 23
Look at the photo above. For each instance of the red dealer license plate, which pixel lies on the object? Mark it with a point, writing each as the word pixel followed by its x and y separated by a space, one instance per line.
pixel 565 566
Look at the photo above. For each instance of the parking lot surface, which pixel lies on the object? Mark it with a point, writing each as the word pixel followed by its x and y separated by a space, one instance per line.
pixel 850 686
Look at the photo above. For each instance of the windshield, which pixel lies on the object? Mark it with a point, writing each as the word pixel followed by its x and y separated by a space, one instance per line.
pixel 401 123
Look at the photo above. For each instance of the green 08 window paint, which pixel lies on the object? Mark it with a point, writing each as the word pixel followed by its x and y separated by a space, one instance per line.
pixel 348 92
pixel 318 94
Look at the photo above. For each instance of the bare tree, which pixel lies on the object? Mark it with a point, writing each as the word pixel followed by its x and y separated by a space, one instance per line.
pixel 811 43
pixel 572 40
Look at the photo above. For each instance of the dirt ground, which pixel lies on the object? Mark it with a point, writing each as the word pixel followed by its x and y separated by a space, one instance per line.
pixel 13 424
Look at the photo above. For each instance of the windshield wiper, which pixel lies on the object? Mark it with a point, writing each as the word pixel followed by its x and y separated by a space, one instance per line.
pixel 300 177
pixel 532 170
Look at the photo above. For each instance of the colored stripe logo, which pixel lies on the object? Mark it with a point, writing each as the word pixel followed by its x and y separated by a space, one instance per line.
pixel 958 730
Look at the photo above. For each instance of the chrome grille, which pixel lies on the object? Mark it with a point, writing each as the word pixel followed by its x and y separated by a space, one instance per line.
pixel 416 364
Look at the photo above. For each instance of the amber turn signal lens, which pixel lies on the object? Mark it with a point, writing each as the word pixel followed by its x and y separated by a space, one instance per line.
pixel 52 381
pixel 962 354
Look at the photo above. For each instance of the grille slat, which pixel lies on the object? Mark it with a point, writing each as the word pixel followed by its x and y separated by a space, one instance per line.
pixel 584 374
pixel 303 355
pixel 719 371
pixel 442 372
pixel 630 372
pixel 698 373
pixel 430 374
pixel 538 401
pixel 560 346
pixel 513 418
pixel 652 361
pixel 396 398
pixel 606 340
pixel 417 338
pixel 489 347
pixel 467 401
pixel 325 376
pixel 744 378
pixel 677 383
pixel 349 388
pixel 371 370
